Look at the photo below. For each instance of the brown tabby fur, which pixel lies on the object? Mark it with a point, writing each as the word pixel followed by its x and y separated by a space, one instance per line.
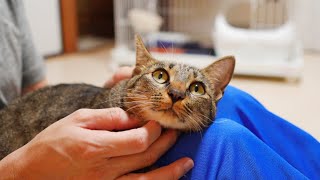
pixel 171 103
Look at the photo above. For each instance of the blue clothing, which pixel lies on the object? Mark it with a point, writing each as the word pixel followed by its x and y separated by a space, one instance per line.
pixel 246 141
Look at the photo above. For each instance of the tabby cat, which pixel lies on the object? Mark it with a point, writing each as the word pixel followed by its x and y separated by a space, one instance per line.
pixel 176 95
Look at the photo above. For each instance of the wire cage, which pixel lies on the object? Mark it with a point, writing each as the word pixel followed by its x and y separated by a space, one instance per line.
pixel 193 32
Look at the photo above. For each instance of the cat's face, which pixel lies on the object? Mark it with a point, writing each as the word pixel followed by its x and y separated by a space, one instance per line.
pixel 176 95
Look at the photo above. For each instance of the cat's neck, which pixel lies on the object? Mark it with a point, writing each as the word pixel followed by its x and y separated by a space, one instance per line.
pixel 111 97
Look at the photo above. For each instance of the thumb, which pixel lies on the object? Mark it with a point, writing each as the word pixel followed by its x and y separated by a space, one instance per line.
pixel 105 119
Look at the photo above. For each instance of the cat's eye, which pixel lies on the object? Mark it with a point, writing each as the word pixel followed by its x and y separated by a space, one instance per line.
pixel 197 88
pixel 161 76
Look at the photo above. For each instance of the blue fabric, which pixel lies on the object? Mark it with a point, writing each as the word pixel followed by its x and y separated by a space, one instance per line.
pixel 246 141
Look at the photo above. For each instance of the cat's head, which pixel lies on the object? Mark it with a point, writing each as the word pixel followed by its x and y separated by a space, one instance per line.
pixel 176 95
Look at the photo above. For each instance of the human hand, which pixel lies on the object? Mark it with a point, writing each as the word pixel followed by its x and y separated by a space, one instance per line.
pixel 122 73
pixel 91 144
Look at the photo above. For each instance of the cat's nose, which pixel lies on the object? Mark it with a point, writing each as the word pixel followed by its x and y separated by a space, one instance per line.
pixel 176 95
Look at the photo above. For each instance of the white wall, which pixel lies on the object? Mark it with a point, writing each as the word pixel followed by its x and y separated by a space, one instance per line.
pixel 45 23
pixel 306 14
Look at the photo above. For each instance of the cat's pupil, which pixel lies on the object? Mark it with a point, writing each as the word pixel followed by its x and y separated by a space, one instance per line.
pixel 160 75
pixel 196 88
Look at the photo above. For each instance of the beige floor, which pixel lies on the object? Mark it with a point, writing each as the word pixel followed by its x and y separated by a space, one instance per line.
pixel 299 102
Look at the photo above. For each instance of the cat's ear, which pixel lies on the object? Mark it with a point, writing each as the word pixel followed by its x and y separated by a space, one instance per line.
pixel 143 57
pixel 219 74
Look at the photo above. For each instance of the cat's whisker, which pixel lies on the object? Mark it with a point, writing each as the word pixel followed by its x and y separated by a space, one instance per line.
pixel 120 98
pixel 188 109
pixel 172 51
pixel 132 89
pixel 196 122
pixel 143 109
pixel 164 47
pixel 198 119
pixel 109 100
pixel 128 97
pixel 135 93
pixel 193 125
pixel 135 90
pixel 199 128
pixel 140 102
pixel 136 98
pixel 134 102
pixel 207 119
pixel 167 86
pixel 133 107
pixel 187 117
pixel 200 122
pixel 138 105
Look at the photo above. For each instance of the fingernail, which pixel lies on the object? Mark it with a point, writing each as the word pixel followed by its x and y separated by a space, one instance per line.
pixel 188 165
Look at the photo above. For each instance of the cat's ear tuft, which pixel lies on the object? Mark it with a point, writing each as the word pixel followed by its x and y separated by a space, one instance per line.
pixel 219 74
pixel 143 57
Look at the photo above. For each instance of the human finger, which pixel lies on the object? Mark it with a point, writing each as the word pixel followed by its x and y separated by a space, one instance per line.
pixel 127 142
pixel 146 158
pixel 104 119
pixel 174 171
pixel 121 74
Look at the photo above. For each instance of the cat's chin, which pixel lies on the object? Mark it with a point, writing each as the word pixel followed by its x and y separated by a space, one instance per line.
pixel 166 118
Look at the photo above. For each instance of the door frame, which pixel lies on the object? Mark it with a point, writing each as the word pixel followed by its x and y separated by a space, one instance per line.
pixel 69 22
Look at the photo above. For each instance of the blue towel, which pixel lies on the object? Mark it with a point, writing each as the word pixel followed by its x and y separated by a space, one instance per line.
pixel 246 141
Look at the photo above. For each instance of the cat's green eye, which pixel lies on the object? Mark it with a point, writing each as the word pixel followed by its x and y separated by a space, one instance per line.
pixel 161 76
pixel 197 88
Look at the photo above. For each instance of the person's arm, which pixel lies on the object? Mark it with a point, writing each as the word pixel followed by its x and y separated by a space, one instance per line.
pixel 35 86
pixel 33 67
pixel 94 144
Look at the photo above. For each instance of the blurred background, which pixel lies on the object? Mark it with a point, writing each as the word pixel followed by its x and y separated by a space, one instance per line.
pixel 276 43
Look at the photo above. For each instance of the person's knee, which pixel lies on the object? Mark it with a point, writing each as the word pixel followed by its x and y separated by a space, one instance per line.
pixel 228 130
pixel 235 95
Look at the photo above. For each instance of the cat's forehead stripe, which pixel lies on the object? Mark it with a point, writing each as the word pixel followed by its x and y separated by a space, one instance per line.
pixel 161 65
pixel 185 72
pixel 195 73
